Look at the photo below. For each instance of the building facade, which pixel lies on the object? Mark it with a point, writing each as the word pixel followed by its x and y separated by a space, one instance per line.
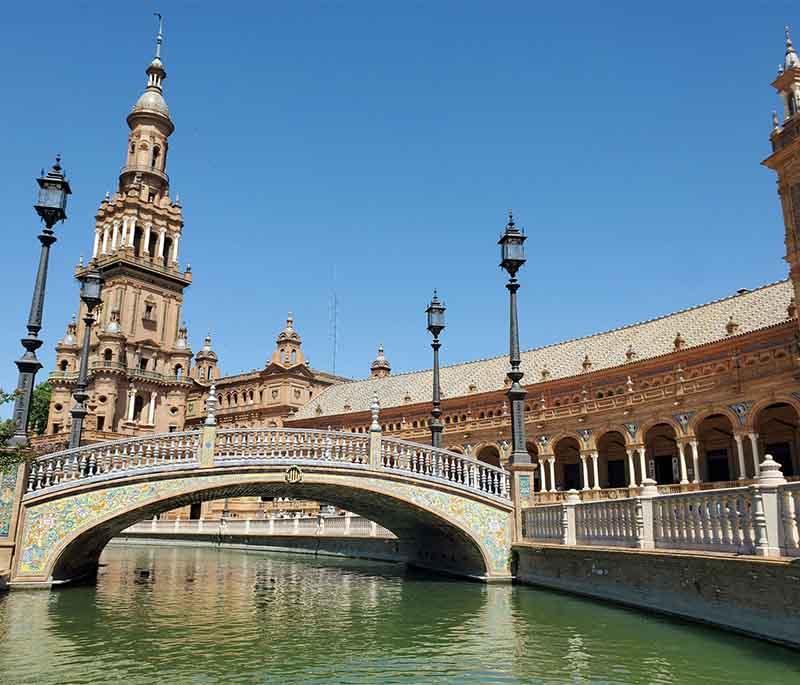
pixel 690 398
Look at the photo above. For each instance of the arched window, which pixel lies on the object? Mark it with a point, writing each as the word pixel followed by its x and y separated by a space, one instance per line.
pixel 154 158
pixel 294 356
pixel 167 250
pixel 64 365
pixel 208 373
pixel 108 355
pixel 178 371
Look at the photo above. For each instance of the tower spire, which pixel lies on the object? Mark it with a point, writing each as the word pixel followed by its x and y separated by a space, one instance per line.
pixel 160 36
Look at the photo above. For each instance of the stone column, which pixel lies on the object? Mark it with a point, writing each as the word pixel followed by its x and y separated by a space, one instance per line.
pixel 542 476
pixel 551 463
pixel 131 401
pixel 585 472
pixel 767 509
pixel 96 244
pixel 146 246
pixel 695 460
pixel 131 230
pixel 161 237
pixel 104 247
pixel 176 239
pixel 682 454
pixel 642 464
pixel 114 236
pixel 740 456
pixel 595 474
pixel 754 445
pixel 151 412
pixel 631 470
pixel 123 235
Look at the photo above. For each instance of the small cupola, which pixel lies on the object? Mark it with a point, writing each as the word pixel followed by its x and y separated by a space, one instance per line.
pixel 380 367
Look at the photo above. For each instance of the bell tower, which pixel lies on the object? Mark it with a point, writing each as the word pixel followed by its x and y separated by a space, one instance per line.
pixel 785 157
pixel 139 361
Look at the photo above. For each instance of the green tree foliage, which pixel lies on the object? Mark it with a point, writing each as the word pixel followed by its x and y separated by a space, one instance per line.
pixel 6 426
pixel 40 405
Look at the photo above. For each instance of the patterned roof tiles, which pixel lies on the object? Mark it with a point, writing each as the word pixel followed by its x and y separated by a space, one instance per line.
pixel 752 310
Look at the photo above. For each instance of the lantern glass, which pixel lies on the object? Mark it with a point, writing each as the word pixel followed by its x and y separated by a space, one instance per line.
pixel 435 312
pixel 91 285
pixel 52 197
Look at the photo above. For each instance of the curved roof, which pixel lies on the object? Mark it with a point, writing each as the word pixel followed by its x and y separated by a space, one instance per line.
pixel 707 323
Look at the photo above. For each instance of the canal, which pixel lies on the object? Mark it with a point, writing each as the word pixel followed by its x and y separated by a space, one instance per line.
pixel 200 615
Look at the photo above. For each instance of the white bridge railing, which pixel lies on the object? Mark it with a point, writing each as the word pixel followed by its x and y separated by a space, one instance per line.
pixel 254 446
pixel 762 519
pixel 310 526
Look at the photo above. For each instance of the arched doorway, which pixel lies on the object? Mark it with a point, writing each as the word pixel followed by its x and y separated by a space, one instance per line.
pixel 717 454
pixel 568 468
pixel 777 427
pixel 489 454
pixel 663 464
pixel 613 462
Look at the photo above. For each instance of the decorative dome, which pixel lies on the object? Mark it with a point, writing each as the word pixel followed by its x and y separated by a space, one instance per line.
pixel 151 101
pixel 206 352
pixel 183 334
pixel 70 337
pixel 289 333
pixel 381 366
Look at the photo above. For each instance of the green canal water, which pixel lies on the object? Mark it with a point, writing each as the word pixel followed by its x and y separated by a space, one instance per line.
pixel 222 616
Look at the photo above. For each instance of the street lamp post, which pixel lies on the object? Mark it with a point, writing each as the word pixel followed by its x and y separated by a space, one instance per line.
pixel 51 206
pixel 512 258
pixel 435 312
pixel 91 286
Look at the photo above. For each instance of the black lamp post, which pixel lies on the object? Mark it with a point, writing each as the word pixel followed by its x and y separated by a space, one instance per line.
pixel 51 206
pixel 435 312
pixel 512 254
pixel 91 286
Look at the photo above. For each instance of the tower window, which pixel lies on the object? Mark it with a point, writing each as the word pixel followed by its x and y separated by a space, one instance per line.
pixel 178 371
pixel 108 355
pixel 149 311
pixel 64 364
pixel 154 158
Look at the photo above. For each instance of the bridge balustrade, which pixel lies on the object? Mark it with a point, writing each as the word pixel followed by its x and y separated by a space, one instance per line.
pixel 252 446
pixel 790 516
pixel 160 452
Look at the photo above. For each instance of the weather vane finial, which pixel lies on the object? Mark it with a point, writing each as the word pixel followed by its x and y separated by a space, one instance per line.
pixel 160 36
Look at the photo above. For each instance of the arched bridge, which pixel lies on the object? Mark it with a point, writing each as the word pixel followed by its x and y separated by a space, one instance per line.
pixel 449 512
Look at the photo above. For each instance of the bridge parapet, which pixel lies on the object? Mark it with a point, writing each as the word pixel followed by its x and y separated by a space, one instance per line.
pixel 234 447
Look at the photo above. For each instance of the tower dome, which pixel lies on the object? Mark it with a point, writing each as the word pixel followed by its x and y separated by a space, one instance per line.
pixel 380 367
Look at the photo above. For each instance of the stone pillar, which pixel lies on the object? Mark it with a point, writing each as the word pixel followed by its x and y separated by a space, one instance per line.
pixel 131 230
pixel 740 456
pixel 642 464
pixel 96 244
pixel 631 470
pixel 767 518
pixel 682 455
pixel 161 237
pixel 551 463
pixel 754 446
pixel 114 236
pixel 176 239
pixel 208 435
pixel 645 529
pixel 131 401
pixel 542 476
pixel 151 411
pixel 695 460
pixel 146 240
pixel 568 532
pixel 375 457
pixel 104 246
pixel 13 482
pixel 595 474
pixel 585 472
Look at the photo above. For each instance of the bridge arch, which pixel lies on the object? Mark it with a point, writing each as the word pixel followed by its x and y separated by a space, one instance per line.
pixel 446 517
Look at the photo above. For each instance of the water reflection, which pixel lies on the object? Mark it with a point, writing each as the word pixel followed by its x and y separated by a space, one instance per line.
pixel 209 616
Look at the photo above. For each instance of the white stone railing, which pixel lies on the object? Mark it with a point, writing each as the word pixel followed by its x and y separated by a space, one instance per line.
pixel 439 464
pixel 325 526
pixel 760 519
pixel 159 452
pixel 252 446
pixel 544 523
pixel 609 522
pixel 790 518
pixel 713 520
pixel 303 444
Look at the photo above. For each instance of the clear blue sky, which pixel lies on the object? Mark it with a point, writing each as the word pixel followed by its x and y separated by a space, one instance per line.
pixel 374 148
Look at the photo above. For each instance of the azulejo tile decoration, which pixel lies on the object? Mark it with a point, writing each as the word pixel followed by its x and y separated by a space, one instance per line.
pixel 8 488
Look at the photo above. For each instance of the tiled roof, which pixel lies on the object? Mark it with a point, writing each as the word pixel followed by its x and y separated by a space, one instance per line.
pixel 752 310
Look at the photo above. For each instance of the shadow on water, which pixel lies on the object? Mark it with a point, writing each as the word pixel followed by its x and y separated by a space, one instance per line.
pixel 201 615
